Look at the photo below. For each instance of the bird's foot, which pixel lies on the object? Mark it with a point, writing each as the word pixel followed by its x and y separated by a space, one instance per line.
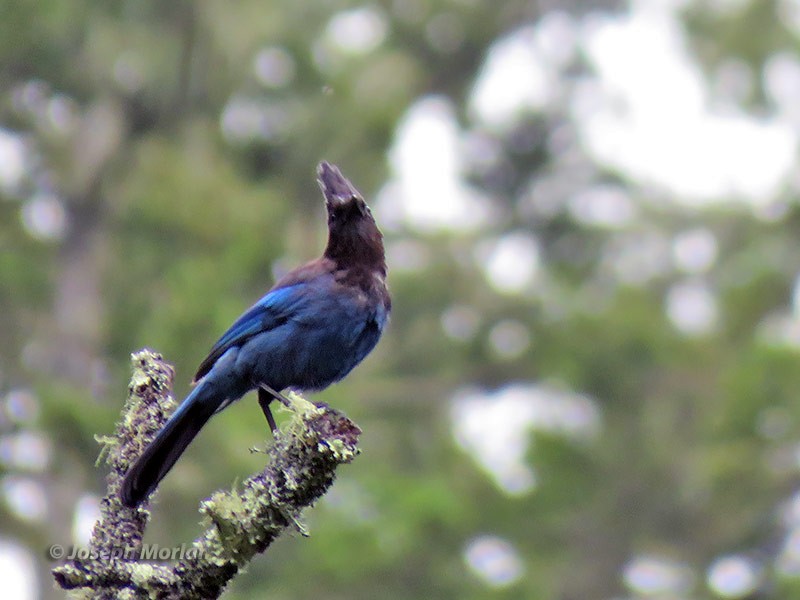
pixel 295 403
pixel 274 395
pixel 264 398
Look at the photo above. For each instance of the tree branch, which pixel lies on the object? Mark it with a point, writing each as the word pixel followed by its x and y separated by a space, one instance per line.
pixel 301 466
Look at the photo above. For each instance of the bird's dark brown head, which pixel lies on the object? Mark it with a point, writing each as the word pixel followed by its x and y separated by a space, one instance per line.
pixel 353 235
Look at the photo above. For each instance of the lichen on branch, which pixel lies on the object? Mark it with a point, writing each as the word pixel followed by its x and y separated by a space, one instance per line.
pixel 239 523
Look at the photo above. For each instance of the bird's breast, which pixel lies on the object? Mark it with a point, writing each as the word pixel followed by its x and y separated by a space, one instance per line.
pixel 318 347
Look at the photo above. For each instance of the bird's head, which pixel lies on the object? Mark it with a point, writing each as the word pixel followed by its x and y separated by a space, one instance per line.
pixel 353 235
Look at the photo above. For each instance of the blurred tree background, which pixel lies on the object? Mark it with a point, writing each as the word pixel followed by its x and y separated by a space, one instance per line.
pixel 589 386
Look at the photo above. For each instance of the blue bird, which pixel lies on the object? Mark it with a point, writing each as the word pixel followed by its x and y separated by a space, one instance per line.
pixel 309 331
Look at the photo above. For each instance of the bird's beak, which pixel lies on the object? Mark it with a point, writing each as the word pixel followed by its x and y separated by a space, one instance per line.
pixel 336 189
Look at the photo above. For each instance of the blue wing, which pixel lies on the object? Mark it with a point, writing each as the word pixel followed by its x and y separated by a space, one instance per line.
pixel 273 310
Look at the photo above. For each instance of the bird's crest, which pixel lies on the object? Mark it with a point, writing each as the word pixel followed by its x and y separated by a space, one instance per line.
pixel 335 188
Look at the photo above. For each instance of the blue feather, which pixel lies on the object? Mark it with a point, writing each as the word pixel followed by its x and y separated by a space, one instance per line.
pixel 309 331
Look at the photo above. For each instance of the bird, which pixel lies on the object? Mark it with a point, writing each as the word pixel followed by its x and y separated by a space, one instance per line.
pixel 307 332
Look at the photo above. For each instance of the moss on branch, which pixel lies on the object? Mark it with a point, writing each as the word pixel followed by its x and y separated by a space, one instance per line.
pixel 239 523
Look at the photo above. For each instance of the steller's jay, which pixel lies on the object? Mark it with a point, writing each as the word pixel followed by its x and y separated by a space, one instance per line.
pixel 309 331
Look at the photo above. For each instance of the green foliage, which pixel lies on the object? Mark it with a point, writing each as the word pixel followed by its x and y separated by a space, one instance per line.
pixel 188 219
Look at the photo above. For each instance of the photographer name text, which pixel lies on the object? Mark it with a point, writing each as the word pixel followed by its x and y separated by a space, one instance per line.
pixel 152 552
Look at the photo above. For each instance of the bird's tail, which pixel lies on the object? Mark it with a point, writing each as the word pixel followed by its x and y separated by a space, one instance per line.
pixel 164 451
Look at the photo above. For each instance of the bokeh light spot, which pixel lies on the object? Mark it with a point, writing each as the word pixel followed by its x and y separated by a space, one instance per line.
pixel 653 575
pixel 692 307
pixel 358 31
pixel 87 513
pixel 494 560
pixel 274 67
pixel 17 571
pixel 694 251
pixel 44 217
pixel 733 576
pixel 509 338
pixel 25 497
